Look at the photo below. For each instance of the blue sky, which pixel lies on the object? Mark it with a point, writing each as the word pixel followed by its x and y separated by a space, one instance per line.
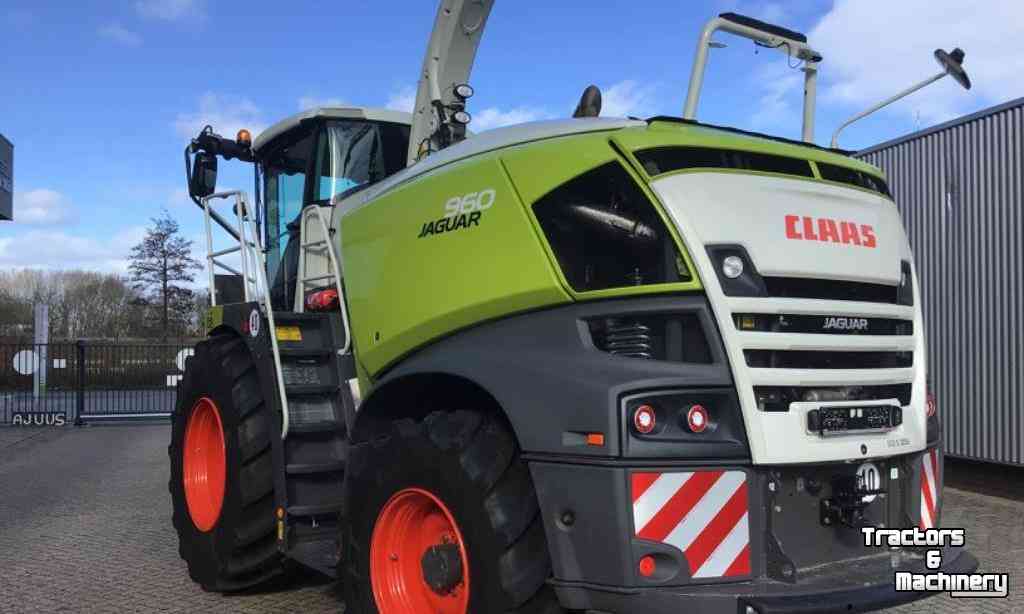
pixel 100 98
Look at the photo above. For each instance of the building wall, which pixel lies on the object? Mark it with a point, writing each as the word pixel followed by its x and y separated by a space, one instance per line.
pixel 959 188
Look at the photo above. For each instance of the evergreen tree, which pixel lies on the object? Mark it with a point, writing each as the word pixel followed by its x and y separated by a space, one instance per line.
pixel 160 266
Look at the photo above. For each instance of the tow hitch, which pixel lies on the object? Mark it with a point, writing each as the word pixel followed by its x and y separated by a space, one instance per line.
pixel 850 497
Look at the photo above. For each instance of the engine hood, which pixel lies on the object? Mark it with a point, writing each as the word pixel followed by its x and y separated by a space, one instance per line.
pixel 791 227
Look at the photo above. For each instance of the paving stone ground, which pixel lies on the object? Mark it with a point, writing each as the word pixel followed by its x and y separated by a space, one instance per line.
pixel 85 527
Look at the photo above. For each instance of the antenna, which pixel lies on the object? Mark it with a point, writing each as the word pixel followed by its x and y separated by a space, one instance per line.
pixel 952 65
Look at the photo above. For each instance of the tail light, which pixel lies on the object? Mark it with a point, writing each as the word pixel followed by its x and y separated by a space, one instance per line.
pixel 322 300
pixel 697 418
pixel 659 424
pixel 932 405
pixel 644 419
pixel 647 566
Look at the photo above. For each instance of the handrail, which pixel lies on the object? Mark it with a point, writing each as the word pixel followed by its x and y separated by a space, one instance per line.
pixel 252 256
pixel 335 268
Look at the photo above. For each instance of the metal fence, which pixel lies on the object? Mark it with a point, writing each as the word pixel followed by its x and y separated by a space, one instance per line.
pixel 960 188
pixel 74 382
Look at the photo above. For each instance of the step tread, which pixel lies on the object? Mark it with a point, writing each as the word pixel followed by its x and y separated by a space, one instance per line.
pixel 305 352
pixel 308 389
pixel 314 510
pixel 323 426
pixel 307 468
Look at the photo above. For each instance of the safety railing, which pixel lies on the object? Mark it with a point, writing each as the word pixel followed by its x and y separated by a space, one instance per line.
pixel 253 271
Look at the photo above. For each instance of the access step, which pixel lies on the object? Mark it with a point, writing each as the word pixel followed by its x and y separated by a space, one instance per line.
pixel 309 468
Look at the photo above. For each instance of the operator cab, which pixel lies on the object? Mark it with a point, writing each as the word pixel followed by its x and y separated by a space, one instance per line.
pixel 316 158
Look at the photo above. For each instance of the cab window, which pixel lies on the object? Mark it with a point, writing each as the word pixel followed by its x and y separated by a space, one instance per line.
pixel 284 188
pixel 353 154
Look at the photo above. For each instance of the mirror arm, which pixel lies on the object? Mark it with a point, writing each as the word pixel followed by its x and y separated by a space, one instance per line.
pixel 883 104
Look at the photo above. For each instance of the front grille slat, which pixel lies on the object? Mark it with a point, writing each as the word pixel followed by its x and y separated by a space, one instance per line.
pixel 778 398
pixel 831 290
pixel 822 324
pixel 813 359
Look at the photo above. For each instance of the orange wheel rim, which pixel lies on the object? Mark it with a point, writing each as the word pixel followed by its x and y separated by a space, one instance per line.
pixel 412 528
pixel 203 464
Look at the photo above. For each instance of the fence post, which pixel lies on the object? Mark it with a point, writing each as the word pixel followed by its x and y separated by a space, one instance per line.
pixel 80 389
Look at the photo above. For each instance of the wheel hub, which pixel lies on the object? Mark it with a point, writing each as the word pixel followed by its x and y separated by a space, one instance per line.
pixel 418 559
pixel 442 568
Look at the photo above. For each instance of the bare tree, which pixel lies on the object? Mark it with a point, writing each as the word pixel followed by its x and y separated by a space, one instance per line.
pixel 160 266
pixel 81 304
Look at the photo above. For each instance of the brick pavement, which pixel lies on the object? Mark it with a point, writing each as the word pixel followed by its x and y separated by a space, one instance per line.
pixel 86 527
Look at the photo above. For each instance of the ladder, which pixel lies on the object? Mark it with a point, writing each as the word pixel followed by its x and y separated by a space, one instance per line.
pixel 255 288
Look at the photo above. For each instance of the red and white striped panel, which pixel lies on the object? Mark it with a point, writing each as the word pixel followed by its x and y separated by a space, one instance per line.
pixel 931 489
pixel 703 513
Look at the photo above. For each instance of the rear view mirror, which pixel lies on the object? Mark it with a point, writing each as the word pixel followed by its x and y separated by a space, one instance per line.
pixel 203 181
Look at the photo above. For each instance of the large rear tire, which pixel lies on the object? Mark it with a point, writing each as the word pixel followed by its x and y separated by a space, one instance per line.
pixel 458 476
pixel 221 470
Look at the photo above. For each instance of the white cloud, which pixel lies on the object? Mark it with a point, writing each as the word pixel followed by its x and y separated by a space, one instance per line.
pixel 402 100
pixel 120 35
pixel 628 98
pixel 42 207
pixel 171 10
pixel 493 117
pixel 875 48
pixel 779 109
pixel 68 251
pixel 310 102
pixel 226 114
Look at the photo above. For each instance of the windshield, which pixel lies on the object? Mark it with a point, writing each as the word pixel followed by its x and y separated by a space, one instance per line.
pixel 352 154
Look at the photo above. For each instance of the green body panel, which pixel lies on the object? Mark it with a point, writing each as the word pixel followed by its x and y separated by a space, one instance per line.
pixel 408 284
pixel 540 167
pixel 404 289
pixel 214 318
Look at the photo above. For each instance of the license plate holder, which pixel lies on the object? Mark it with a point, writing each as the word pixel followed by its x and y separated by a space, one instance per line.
pixel 836 420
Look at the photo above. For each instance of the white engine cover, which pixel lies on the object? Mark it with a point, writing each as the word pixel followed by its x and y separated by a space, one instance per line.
pixel 798 228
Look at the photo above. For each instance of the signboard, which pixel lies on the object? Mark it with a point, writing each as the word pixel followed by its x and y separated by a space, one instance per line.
pixel 6 179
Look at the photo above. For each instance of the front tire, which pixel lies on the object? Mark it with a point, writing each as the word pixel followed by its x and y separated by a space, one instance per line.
pixel 221 470
pixel 469 465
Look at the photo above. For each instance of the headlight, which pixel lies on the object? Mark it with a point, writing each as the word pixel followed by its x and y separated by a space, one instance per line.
pixel 736 272
pixel 732 267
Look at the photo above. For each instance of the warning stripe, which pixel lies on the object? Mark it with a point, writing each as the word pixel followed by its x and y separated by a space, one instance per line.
pixel 930 489
pixel 641 482
pixel 703 514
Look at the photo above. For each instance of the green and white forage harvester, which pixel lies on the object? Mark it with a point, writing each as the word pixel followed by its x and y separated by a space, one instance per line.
pixel 600 364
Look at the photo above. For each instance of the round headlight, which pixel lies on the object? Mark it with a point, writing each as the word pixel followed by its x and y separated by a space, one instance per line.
pixel 461 117
pixel 732 267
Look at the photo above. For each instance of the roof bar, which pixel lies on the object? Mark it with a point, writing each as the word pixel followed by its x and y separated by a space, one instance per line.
pixel 793 44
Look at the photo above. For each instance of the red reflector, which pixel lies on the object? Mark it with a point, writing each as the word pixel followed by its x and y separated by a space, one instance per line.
pixel 595 439
pixel 644 419
pixel 932 404
pixel 647 566
pixel 697 418
pixel 322 300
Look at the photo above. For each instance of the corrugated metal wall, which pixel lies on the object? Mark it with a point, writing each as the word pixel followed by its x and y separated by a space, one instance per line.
pixel 959 188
